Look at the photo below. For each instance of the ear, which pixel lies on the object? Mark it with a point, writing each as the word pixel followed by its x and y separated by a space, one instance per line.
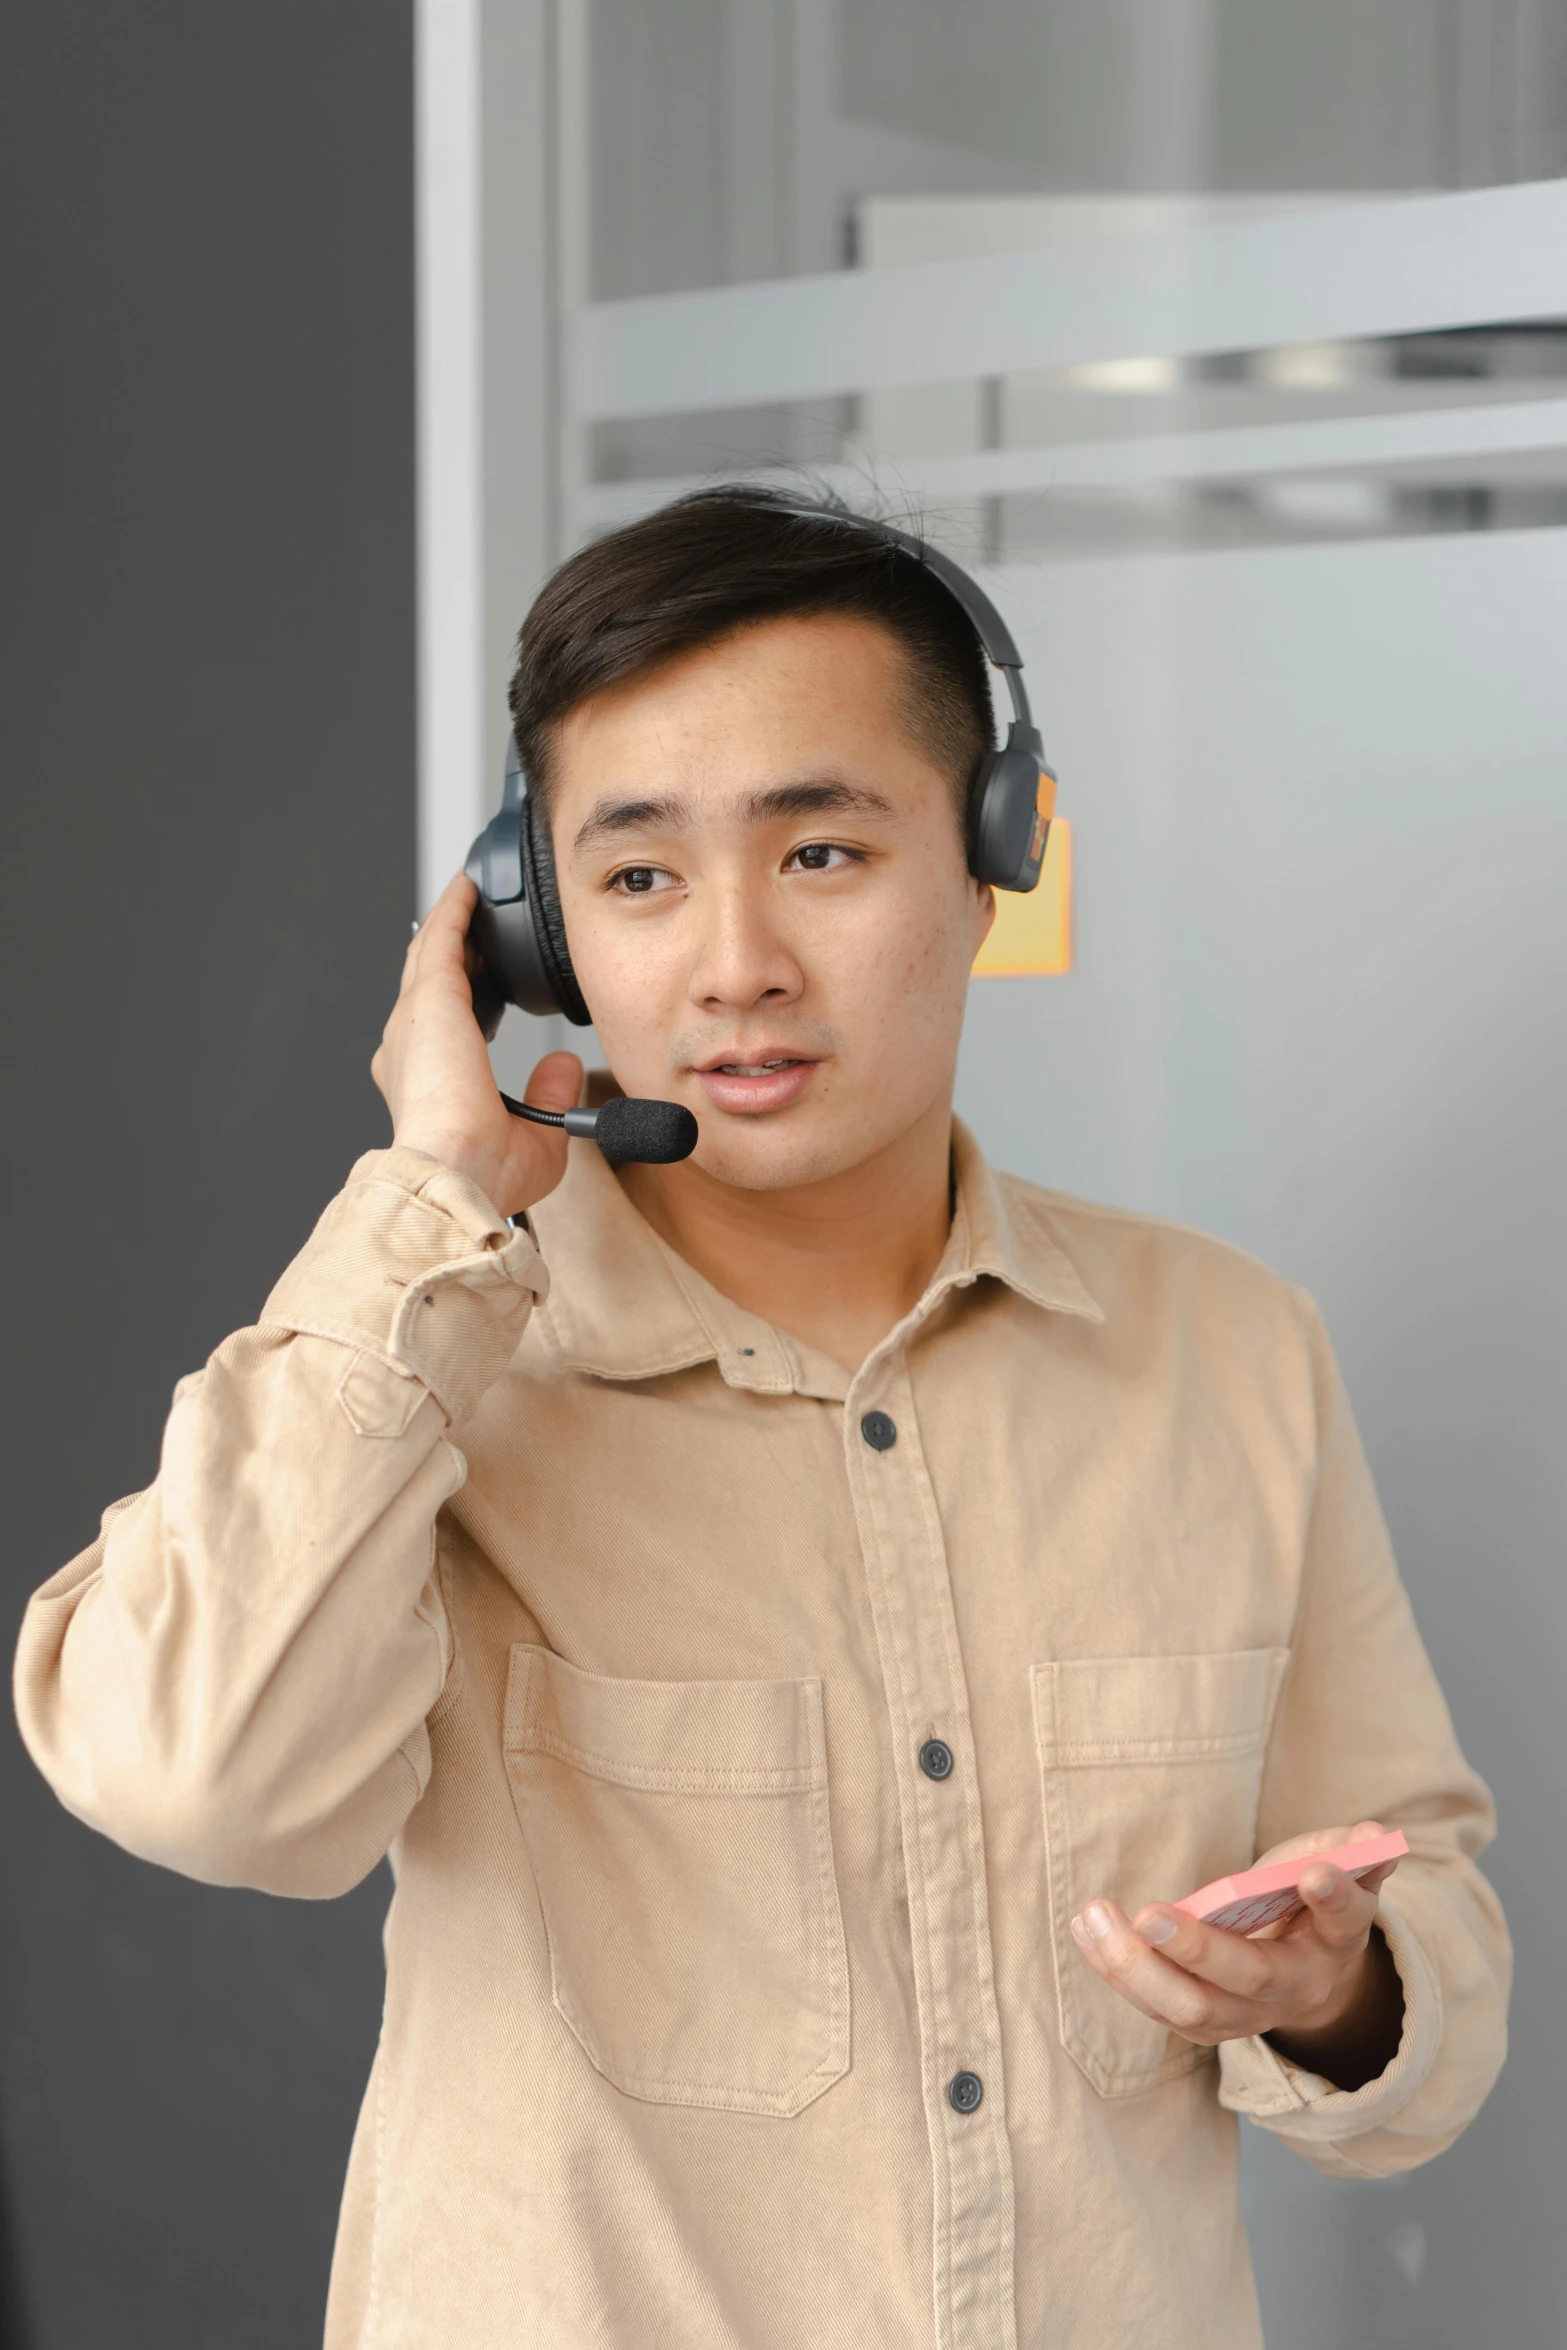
pixel 984 914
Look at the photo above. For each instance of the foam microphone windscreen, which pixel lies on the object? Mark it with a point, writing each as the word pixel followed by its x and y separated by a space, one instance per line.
pixel 654 1133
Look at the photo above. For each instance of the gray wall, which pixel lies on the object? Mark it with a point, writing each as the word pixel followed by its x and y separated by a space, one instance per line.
pixel 207 727
pixel 1321 1008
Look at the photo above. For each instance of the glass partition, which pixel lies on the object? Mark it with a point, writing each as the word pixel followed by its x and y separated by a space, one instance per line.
pixel 1229 335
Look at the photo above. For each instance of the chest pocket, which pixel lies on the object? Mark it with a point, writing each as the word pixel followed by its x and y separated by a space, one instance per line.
pixel 679 1838
pixel 1150 1768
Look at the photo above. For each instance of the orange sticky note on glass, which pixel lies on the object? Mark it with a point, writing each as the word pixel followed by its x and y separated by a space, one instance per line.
pixel 1031 936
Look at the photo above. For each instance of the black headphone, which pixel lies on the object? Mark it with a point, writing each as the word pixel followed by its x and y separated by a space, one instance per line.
pixel 517 926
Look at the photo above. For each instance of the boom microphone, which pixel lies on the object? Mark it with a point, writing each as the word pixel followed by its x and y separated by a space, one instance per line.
pixel 654 1134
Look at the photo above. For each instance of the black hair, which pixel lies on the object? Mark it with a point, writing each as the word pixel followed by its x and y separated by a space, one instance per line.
pixel 726 558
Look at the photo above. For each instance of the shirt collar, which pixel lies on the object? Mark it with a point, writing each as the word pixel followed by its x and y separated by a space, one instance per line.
pixel 623 1305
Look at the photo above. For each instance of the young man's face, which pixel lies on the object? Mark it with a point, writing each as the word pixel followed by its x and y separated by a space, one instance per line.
pixel 764 886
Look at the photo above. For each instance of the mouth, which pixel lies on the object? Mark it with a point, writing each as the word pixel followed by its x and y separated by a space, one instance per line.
pixel 761 1080
pixel 763 1067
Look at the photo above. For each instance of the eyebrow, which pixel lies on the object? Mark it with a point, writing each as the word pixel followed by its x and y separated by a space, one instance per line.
pixel 611 815
pixel 813 799
pixel 670 812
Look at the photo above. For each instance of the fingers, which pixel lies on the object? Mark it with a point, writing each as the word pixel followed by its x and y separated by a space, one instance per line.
pixel 556 1083
pixel 1209 1985
pixel 1201 2011
pixel 1231 1961
pixel 1338 1908
pixel 440 936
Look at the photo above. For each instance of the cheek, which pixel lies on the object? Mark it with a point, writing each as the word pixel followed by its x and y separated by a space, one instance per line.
pixel 629 983
pixel 906 983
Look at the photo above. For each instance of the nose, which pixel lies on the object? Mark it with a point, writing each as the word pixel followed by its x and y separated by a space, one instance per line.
pixel 742 959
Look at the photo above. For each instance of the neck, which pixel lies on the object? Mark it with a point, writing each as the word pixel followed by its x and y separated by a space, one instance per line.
pixel 836 1263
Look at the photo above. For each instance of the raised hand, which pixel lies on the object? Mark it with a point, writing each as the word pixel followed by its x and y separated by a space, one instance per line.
pixel 434 1070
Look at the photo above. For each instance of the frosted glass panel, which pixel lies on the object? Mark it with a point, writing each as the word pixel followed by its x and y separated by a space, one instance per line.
pixel 1320 1007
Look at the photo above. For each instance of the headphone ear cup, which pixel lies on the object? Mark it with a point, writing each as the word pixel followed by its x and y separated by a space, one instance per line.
pixel 1007 837
pixel 548 923
pixel 511 970
pixel 517 930
pixel 485 985
pixel 502 933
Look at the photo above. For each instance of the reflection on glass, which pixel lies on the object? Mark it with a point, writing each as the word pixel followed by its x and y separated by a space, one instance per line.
pixel 759 139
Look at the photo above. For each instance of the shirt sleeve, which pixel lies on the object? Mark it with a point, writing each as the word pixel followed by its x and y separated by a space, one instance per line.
pixel 234 1679
pixel 1363 1732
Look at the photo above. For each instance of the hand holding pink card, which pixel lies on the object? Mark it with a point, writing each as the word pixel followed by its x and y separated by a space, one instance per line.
pixel 1264 1896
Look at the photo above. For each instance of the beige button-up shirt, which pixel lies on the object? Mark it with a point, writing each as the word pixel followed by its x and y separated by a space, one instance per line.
pixel 621 1620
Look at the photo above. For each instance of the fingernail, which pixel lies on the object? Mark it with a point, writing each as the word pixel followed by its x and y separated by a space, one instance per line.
pixel 1097 1919
pixel 1321 1884
pixel 1080 1932
pixel 1157 1929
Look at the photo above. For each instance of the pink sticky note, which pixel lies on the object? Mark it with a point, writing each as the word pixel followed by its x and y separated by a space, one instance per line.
pixel 1261 1896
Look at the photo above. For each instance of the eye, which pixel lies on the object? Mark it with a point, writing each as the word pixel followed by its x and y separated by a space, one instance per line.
pixel 641 881
pixel 821 856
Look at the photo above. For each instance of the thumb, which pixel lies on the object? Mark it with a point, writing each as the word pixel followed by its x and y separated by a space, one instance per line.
pixel 556 1083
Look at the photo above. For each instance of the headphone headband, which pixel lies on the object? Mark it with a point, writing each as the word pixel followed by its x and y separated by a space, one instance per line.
pixel 517 924
pixel 995 637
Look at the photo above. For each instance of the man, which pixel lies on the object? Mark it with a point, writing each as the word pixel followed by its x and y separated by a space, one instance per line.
pixel 797 1619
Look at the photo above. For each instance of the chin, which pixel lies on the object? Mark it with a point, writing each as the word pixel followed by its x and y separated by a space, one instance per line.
pixel 750 1156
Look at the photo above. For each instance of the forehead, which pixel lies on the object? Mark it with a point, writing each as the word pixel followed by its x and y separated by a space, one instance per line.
pixel 826 689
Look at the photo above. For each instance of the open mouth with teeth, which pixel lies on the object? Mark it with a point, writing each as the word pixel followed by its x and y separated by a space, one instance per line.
pixel 772 1081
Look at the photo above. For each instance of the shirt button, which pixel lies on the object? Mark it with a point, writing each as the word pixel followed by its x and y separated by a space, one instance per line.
pixel 936 1759
pixel 964 2092
pixel 878 1431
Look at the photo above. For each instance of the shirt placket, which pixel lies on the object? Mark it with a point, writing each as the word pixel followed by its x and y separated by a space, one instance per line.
pixel 910 1590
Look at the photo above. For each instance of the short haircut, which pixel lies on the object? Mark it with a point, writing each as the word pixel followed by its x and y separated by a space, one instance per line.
pixel 725 559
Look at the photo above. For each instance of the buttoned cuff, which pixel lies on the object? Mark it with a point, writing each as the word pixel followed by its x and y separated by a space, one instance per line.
pixel 1255 2080
pixel 410 1263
